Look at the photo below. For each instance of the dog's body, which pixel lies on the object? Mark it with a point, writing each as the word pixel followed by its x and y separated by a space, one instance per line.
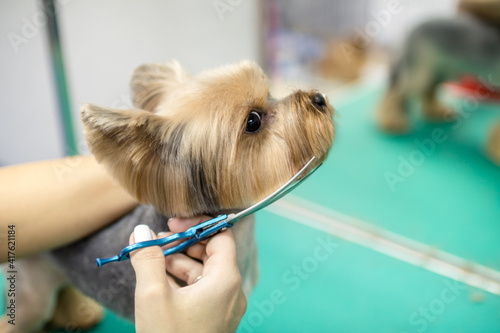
pixel 435 52
pixel 209 144
pixel 42 276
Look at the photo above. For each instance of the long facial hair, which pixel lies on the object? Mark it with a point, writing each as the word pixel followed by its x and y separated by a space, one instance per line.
pixel 185 149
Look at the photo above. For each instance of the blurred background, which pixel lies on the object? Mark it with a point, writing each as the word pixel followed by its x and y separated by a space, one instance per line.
pixel 401 245
pixel 297 42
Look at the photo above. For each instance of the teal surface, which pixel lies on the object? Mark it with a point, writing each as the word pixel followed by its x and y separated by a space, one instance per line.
pixel 449 199
pixel 353 289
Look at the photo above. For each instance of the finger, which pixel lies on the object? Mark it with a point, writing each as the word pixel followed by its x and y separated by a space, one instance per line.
pixel 172 282
pixel 149 262
pixel 180 224
pixel 183 267
pixel 197 251
pixel 220 259
pixel 241 305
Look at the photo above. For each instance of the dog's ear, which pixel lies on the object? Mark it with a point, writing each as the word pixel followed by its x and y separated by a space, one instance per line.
pixel 132 145
pixel 151 83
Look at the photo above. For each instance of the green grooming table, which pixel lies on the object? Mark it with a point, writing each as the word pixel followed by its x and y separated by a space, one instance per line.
pixel 450 200
pixel 314 282
pixel 354 290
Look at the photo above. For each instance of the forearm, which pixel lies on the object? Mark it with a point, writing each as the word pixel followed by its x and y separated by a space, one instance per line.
pixel 53 203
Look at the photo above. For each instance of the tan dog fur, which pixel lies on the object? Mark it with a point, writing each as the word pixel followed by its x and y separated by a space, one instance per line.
pixel 185 150
pixel 191 135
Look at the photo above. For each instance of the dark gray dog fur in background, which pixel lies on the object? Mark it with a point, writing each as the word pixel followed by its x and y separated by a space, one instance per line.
pixel 437 51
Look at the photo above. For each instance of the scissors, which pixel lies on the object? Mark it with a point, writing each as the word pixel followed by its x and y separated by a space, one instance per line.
pixel 213 226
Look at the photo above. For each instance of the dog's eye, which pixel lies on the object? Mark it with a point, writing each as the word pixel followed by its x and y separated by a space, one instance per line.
pixel 253 122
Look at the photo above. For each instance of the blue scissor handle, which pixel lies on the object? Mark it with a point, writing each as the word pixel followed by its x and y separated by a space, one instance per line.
pixel 198 237
pixel 193 235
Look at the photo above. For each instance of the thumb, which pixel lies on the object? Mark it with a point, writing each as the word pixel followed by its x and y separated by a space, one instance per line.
pixel 149 262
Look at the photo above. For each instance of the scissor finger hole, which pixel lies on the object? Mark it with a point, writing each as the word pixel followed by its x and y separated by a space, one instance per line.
pixel 183 267
pixel 197 251
pixel 169 245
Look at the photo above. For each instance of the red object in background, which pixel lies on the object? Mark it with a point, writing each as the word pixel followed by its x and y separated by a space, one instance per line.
pixel 471 87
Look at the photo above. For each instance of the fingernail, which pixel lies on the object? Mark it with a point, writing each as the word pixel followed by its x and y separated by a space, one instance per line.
pixel 161 233
pixel 142 233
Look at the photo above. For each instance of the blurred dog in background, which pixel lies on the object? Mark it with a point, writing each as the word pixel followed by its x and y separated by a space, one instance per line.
pixel 443 50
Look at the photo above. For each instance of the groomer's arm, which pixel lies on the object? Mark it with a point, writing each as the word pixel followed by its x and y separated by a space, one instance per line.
pixel 53 203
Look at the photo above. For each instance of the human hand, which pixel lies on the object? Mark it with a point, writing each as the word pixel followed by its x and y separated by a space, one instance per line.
pixel 214 303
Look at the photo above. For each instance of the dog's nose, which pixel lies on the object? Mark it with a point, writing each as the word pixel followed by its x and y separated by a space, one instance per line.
pixel 319 100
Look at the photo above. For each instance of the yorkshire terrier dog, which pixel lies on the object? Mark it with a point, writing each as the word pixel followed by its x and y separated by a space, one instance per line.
pixel 209 144
pixel 437 51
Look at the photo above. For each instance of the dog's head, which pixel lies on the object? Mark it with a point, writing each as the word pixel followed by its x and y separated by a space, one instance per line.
pixel 212 142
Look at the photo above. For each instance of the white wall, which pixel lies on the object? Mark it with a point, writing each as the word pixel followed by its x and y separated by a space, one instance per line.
pixel 103 42
pixel 410 13
pixel 29 128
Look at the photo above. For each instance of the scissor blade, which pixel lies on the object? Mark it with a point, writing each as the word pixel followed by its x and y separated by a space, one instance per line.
pixel 289 189
pixel 279 193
